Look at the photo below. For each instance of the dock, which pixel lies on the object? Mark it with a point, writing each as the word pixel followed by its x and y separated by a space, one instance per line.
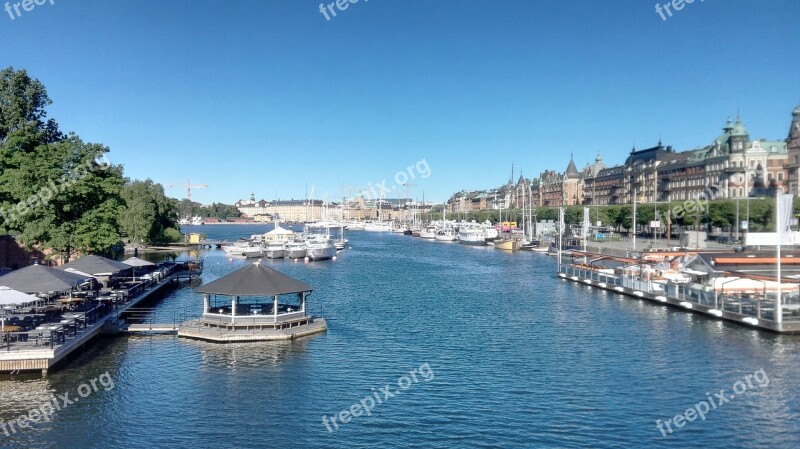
pixel 757 313
pixel 17 357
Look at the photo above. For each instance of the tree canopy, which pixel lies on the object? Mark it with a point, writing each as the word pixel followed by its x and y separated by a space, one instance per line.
pixel 56 191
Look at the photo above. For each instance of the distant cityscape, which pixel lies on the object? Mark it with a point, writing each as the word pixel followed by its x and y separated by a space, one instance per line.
pixel 731 166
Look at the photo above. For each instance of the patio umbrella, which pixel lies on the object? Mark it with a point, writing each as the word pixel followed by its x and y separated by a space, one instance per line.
pixel 12 297
pixel 136 262
pixel 42 279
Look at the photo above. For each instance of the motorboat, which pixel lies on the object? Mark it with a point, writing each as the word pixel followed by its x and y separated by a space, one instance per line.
pixel 296 250
pixel 320 248
pixel 275 250
pixel 472 236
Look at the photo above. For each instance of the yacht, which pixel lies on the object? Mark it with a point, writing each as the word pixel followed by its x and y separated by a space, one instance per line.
pixel 243 248
pixel 320 247
pixel 490 231
pixel 296 250
pixel 472 236
pixel 275 250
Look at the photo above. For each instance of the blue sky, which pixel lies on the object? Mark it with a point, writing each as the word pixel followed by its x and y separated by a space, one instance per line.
pixel 268 96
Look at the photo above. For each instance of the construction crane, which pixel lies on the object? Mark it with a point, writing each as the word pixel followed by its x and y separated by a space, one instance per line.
pixel 189 186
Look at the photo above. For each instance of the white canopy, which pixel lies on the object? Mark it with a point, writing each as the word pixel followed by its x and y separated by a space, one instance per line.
pixel 12 297
pixel 737 284
pixel 137 262
pixel 81 273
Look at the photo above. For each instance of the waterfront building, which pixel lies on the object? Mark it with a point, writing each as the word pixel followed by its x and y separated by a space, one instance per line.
pixel 561 189
pixel 251 207
pixel 257 303
pixel 641 175
pixel 793 153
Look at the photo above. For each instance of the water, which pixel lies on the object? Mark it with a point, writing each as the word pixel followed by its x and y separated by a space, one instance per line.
pixel 517 359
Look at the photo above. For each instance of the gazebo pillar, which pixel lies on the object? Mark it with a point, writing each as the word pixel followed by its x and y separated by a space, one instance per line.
pixel 275 308
pixel 206 303
pixel 303 303
pixel 234 301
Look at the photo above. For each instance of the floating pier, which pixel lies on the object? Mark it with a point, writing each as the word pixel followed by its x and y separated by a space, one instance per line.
pixel 758 313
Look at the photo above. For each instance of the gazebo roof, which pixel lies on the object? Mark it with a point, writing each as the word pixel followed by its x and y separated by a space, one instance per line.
pixel 39 279
pixel 96 265
pixel 255 280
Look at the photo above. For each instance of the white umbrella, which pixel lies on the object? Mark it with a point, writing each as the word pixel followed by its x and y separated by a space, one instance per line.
pixel 13 297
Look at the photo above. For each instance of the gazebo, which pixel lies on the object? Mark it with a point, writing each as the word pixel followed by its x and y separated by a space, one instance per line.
pixel 254 303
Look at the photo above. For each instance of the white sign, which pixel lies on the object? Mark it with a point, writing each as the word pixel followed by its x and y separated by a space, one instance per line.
pixel 771 238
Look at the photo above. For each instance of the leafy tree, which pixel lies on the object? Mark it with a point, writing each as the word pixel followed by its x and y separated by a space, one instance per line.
pixel 54 193
pixel 149 214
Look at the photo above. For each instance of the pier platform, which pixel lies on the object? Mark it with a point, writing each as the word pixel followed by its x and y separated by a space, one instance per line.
pixel 31 355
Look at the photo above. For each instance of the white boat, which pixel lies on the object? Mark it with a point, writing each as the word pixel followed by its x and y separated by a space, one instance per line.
pixel 296 250
pixel 471 236
pixel 490 231
pixel 428 233
pixel 243 248
pixel 320 248
pixel 355 226
pixel 378 226
pixel 445 235
pixel 275 250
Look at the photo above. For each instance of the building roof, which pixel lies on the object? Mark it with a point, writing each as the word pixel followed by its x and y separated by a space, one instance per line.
pixel 572 171
pixel 647 155
pixel 96 265
pixel 40 279
pixel 255 280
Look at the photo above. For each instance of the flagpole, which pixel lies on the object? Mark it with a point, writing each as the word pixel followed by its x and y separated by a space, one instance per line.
pixel 780 226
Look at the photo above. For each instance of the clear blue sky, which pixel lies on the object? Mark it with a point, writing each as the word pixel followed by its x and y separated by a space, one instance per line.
pixel 267 96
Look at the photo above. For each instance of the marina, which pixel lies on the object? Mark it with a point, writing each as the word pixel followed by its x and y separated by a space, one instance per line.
pixel 557 329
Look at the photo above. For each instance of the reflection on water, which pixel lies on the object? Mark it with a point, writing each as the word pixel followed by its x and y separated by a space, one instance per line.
pixel 521 360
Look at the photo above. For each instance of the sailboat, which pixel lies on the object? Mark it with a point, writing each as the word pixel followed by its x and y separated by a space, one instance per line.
pixel 505 243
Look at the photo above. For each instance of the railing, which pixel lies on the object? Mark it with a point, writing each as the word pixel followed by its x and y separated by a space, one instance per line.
pixel 762 308
pixel 154 316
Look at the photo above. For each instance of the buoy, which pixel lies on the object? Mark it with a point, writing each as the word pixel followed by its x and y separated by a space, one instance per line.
pixel 334 257
pixel 306 259
pixel 351 247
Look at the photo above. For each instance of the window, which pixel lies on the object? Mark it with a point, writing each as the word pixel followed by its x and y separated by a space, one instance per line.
pixel 780 176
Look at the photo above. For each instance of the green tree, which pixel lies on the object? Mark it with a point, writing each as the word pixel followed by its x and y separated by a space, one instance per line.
pixel 149 216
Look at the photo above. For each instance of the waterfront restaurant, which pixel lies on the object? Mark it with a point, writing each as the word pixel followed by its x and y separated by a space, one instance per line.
pixel 254 303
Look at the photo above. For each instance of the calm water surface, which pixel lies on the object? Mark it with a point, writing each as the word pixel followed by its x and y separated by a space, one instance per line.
pixel 518 359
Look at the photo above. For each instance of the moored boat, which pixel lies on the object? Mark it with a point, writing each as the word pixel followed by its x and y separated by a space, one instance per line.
pixel 275 250
pixel 296 250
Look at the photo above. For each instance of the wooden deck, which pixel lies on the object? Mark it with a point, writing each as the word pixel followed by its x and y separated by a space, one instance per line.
pixel 199 331
pixel 30 358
